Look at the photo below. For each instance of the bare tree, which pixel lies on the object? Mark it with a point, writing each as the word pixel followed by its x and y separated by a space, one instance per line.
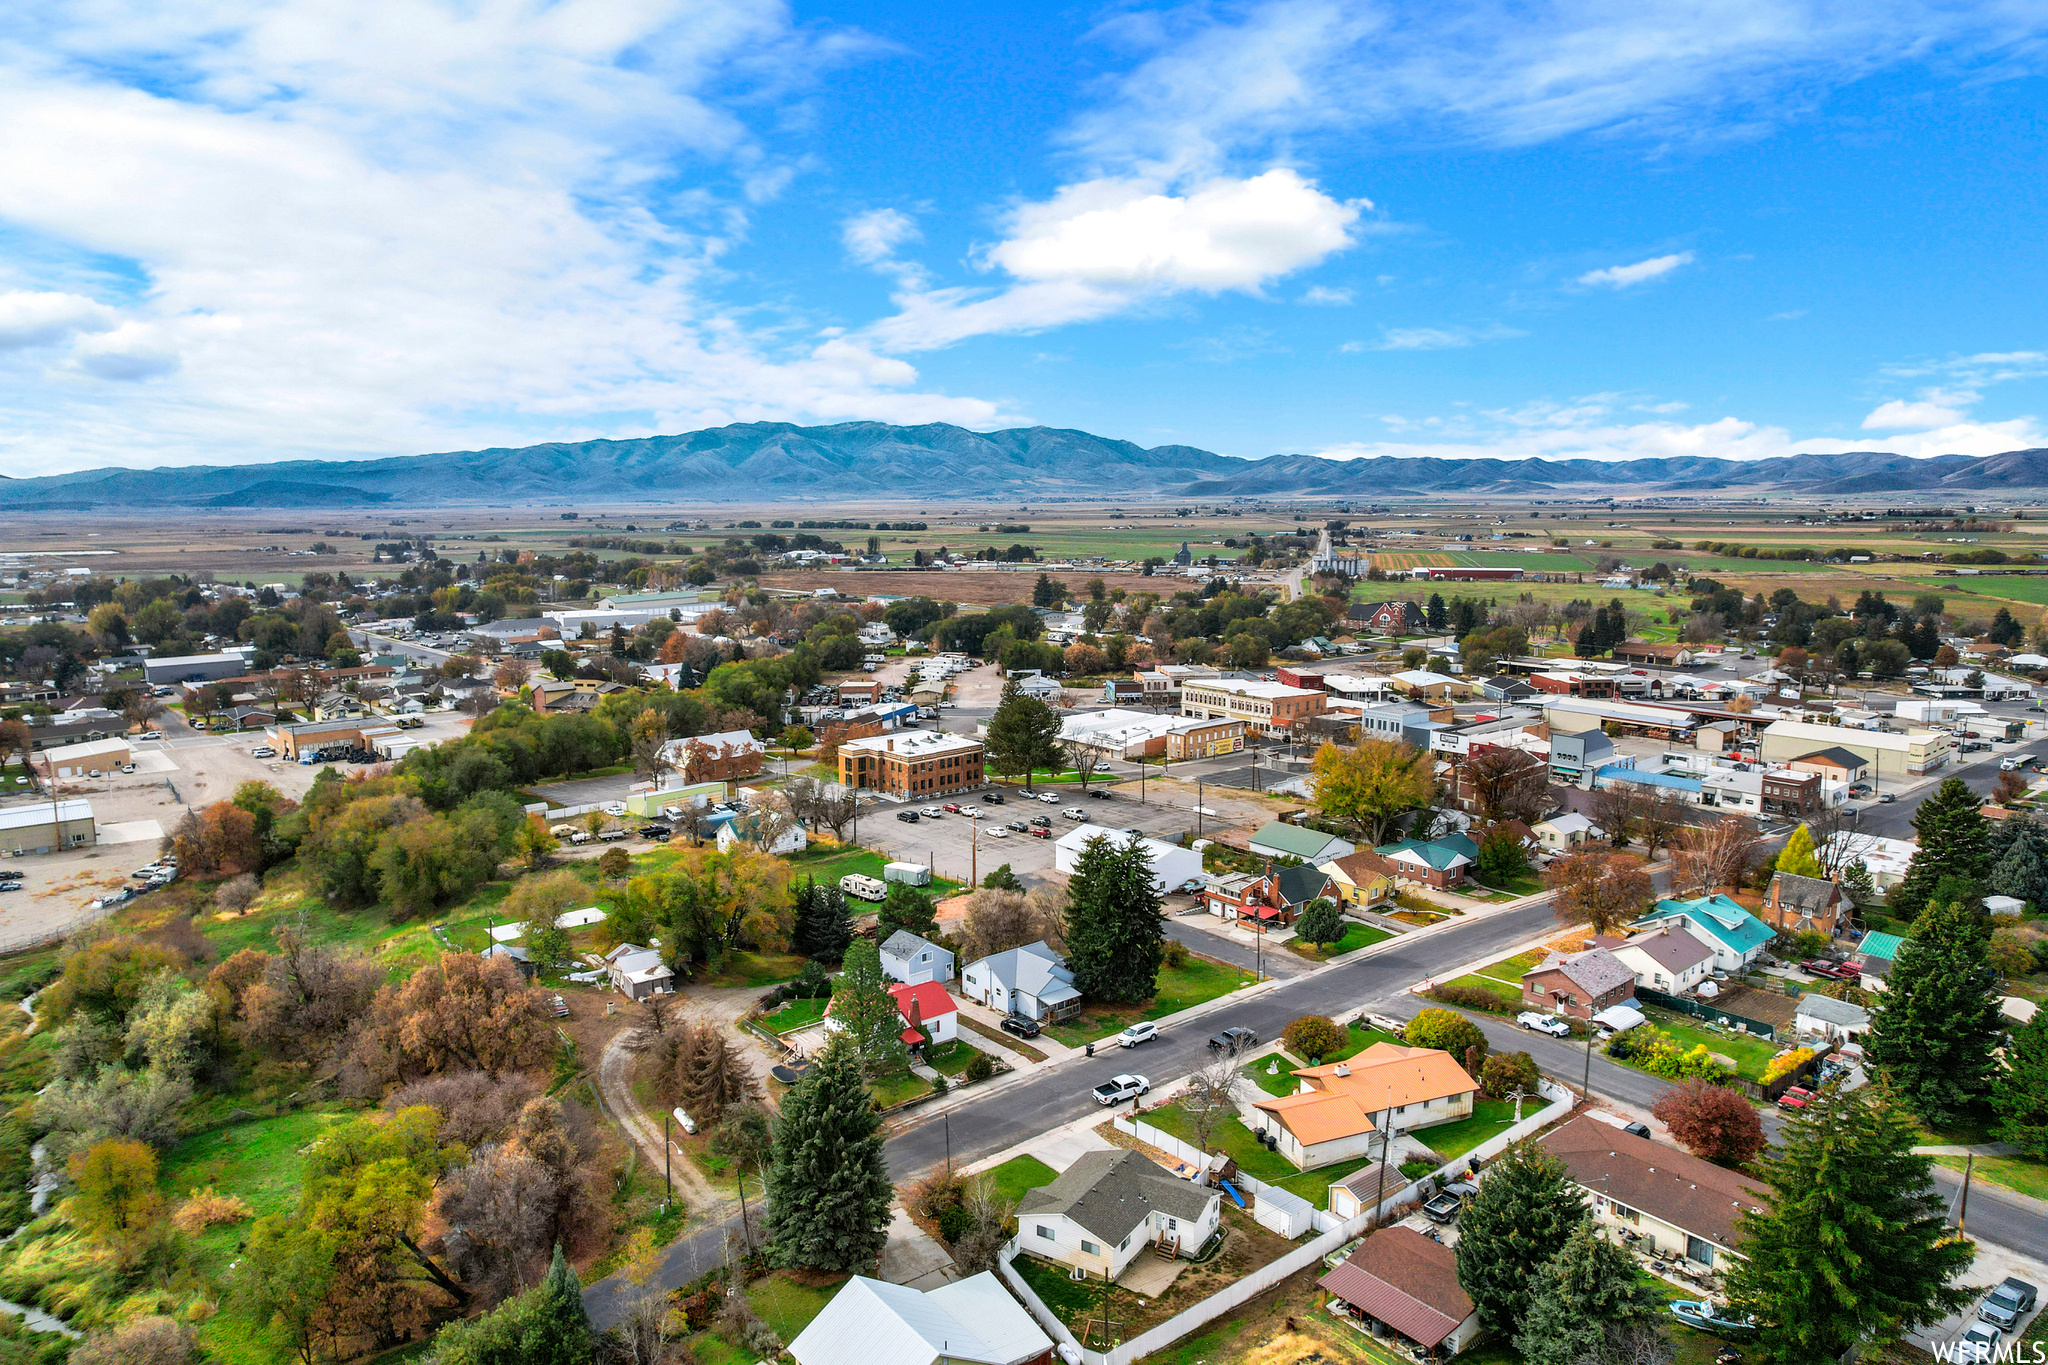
pixel 1086 759
pixel 1509 784
pixel 997 921
pixel 1712 856
pixel 1616 808
pixel 837 807
pixel 1663 814
pixel 805 795
pixel 1211 1096
pixel 1597 889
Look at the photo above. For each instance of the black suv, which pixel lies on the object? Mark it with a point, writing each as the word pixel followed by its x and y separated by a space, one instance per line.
pixel 1019 1025
pixel 993 798
pixel 1234 1040
pixel 661 832
pixel 908 817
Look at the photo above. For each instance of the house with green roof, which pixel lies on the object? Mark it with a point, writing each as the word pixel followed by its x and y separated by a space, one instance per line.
pixel 1874 957
pixel 1737 937
pixel 1441 863
pixel 1276 839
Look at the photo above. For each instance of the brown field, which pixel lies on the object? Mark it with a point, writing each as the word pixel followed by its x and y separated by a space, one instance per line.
pixel 983 588
pixel 1410 559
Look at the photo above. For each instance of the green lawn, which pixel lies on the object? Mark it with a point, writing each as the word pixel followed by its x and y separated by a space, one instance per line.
pixel 1523 883
pixel 1233 1138
pixel 1357 1038
pixel 950 1059
pixel 1489 1117
pixel 1019 1174
pixel 1198 980
pixel 2023 1174
pixel 1511 968
pixel 795 1015
pixel 756 969
pixel 889 1090
pixel 259 1160
pixel 783 1304
pixel 1751 1055
pixel 1285 1082
pixel 828 865
pixel 1510 993
pixel 1356 936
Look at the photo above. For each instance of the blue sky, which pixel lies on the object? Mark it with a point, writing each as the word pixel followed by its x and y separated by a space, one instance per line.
pixel 247 231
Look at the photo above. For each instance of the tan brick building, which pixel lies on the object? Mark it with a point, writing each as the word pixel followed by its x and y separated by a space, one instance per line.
pixel 1267 708
pixel 912 763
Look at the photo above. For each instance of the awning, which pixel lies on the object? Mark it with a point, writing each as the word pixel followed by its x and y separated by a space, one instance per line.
pixel 1620 1018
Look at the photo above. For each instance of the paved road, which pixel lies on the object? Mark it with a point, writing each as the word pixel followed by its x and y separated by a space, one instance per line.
pixel 1895 821
pixel 1275 961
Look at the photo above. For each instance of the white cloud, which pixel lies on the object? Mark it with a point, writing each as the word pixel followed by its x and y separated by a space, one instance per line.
pixel 1432 338
pixel 31 317
pixel 1324 296
pixel 1624 276
pixel 1102 246
pixel 1935 408
pixel 1219 82
pixel 399 225
pixel 1984 368
pixel 872 238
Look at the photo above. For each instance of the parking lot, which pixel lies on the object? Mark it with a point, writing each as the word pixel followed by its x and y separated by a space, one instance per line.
pixel 952 847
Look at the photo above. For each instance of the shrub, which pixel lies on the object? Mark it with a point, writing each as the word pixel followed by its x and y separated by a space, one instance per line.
pixel 139 1341
pixel 1313 1036
pixel 742 1326
pixel 939 1083
pixel 1504 1073
pixel 1453 1033
pixel 614 863
pixel 1173 953
pixel 980 1066
pixel 204 1208
pixel 1471 998
pixel 236 894
pixel 1787 1062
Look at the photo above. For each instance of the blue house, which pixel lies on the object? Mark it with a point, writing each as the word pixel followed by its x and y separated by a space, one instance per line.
pixel 1737 937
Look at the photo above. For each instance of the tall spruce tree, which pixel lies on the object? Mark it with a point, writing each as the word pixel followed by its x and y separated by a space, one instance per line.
pixel 2020 1094
pixel 828 1185
pixel 547 1325
pixel 823 925
pixel 866 1012
pixel 1586 1305
pixel 2020 865
pixel 1935 1025
pixel 1524 1213
pixel 1023 734
pixel 1114 935
pixel 1848 1246
pixel 1952 843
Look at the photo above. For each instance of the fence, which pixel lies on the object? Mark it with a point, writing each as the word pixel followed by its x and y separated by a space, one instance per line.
pixel 1698 1010
pixel 43 938
pixel 1283 1211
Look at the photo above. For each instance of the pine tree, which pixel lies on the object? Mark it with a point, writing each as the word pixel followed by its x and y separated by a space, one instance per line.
pixel 828 1186
pixel 866 1012
pixel 2020 1094
pixel 1524 1213
pixel 823 925
pixel 1952 842
pixel 1850 1247
pixel 1114 939
pixel 709 1074
pixel 1584 1297
pixel 1320 922
pixel 1935 1025
pixel 1858 885
pixel 1023 734
pixel 2021 867
pixel 1434 613
pixel 1797 856
pixel 564 1336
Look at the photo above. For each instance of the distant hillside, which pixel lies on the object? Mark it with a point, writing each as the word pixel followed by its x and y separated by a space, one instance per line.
pixel 759 461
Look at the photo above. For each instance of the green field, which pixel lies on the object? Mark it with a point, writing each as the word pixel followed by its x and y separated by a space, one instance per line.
pixel 794 1015
pixel 2033 591
pixel 1559 561
pixel 1233 1138
pixel 1751 1055
pixel 829 864
pixel 1489 1118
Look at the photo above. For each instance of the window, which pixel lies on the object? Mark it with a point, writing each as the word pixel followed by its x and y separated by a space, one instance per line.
pixel 1089 1248
pixel 1624 1213
pixel 1698 1250
pixel 1046 1233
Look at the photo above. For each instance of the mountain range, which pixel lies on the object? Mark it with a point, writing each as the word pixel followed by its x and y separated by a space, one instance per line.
pixel 778 462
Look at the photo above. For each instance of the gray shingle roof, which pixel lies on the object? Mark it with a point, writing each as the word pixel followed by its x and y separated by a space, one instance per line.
pixel 1829 1010
pixel 905 945
pixel 1671 947
pixel 1811 894
pixel 1110 1193
pixel 1594 971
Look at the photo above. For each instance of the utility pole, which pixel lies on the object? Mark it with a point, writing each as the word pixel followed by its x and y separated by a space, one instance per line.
pixel 974 856
pixel 1586 1085
pixel 746 1228
pixel 1386 1155
pixel 668 1188
pixel 1963 1212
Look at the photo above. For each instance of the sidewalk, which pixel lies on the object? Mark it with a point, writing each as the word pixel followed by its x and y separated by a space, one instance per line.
pixel 1054 1051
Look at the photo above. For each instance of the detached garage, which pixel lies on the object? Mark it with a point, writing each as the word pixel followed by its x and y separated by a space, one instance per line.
pixel 1171 864
pixel 81 760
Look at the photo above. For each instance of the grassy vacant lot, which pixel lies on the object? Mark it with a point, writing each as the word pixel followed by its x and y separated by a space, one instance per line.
pixel 1199 979
pixel 1251 1156
pixel 1510 993
pixel 827 864
pixel 2028 1176
pixel 1488 1118
pixel 1019 1174
pixel 1751 1055
pixel 786 1300
pixel 794 1015
pixel 1356 936
pixel 1523 883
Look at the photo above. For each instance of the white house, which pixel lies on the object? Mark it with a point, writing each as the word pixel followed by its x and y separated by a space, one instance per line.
pixel 1668 958
pixel 1039 686
pixel 637 972
pixel 742 831
pixel 911 960
pixel 1828 1017
pixel 1171 864
pixel 1108 1208
pixel 1032 981
pixel 975 1321
pixel 1564 833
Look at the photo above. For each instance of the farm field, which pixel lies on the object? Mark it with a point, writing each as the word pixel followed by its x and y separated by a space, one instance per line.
pixel 1410 559
pixel 1537 561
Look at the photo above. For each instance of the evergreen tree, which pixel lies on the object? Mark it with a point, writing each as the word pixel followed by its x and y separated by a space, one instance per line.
pixel 828 1185
pixel 1850 1246
pixel 546 1325
pixel 823 924
pixel 2020 1094
pixel 1023 734
pixel 1934 1026
pixel 1434 613
pixel 1585 1302
pixel 1524 1213
pixel 1114 939
pixel 1847 659
pixel 1952 841
pixel 1797 856
pixel 866 1012
pixel 1858 885
pixel 1046 593
pixel 1320 922
pixel 2004 629
pixel 1002 879
pixel 906 908
pixel 2020 868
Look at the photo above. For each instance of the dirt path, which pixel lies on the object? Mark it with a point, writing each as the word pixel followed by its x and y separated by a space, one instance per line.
pixel 615 1081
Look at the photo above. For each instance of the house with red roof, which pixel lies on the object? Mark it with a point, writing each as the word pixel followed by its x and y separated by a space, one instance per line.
pixel 927 1005
pixel 1408 1285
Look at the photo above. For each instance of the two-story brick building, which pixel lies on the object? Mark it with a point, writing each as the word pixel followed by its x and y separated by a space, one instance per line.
pixel 912 763
pixel 1266 708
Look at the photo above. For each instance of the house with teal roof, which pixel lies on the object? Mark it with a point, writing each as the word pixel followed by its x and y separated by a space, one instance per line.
pixel 1737 937
pixel 1441 863
pixel 1874 956
pixel 1278 839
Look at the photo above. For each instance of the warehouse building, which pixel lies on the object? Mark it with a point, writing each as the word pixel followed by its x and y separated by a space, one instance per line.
pixel 1913 754
pixel 46 827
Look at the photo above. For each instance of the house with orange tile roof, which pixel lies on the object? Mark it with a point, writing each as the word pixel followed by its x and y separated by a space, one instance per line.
pixel 1351 1108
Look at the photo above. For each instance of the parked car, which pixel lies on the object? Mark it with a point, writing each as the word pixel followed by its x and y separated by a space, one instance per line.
pixel 908 817
pixel 930 812
pixel 1048 798
pixel 993 798
pixel 997 832
pixel 1040 822
pixel 972 812
pixel 1020 1026
pixel 151 734
pixel 1075 813
pixel 1040 832
pixel 1979 1342
pixel 1120 1088
pixel 1886 798
pixel 1831 969
pixel 951 808
pixel 1544 1023
pixel 1233 1040
pixel 263 751
pixel 2008 1302
pixel 659 832
pixel 1018 825
pixel 1641 1130
pixel 1798 1097
pixel 127 767
pixel 1142 1032
pixel 613 808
